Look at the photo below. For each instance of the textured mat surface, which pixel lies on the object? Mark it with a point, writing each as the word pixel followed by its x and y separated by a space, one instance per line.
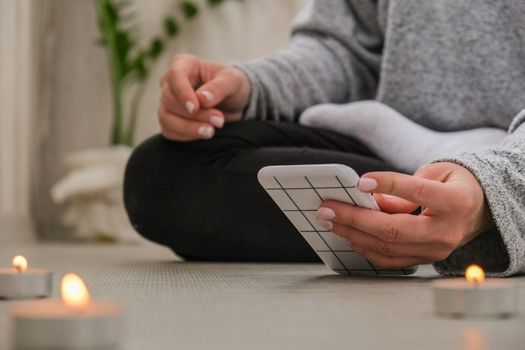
pixel 175 305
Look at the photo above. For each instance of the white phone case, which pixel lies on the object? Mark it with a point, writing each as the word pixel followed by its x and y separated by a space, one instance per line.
pixel 299 190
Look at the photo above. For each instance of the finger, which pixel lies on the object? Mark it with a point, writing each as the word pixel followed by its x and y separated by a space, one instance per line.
pixel 211 116
pixel 428 193
pixel 390 262
pixel 369 242
pixel 216 90
pixel 179 80
pixel 175 136
pixel 432 171
pixel 189 128
pixel 171 103
pixel 172 106
pixel 392 205
pixel 398 228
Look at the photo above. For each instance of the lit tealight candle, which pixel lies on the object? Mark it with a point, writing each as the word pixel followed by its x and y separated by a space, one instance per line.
pixel 20 282
pixel 474 296
pixel 75 322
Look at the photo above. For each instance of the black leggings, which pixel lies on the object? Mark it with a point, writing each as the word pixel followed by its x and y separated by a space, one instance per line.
pixel 202 199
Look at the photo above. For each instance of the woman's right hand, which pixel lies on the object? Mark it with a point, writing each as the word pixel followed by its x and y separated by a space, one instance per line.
pixel 199 96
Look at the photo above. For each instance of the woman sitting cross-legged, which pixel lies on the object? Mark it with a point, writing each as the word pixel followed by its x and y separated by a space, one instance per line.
pixel 421 98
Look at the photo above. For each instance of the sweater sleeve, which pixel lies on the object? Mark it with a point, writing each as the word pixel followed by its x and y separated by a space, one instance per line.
pixel 501 173
pixel 334 56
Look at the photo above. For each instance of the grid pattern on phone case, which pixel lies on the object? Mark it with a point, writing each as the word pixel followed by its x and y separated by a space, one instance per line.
pixel 300 204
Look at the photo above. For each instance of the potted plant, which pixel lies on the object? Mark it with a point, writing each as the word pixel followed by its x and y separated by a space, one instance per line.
pixel 92 187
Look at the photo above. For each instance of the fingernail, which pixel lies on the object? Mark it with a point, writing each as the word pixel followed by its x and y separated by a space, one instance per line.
pixel 325 214
pixel 206 132
pixel 217 122
pixel 367 184
pixel 190 106
pixel 328 225
pixel 209 96
pixel 389 197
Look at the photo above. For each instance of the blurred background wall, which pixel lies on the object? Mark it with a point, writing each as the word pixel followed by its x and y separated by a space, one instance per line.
pixel 17 100
pixel 55 92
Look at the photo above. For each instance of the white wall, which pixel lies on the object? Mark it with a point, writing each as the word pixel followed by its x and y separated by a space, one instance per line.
pixel 16 102
pixel 71 109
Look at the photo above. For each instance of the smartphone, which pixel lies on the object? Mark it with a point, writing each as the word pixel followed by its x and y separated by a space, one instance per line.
pixel 299 190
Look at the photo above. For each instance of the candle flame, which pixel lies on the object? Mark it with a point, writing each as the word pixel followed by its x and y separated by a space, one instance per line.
pixel 475 274
pixel 74 291
pixel 20 263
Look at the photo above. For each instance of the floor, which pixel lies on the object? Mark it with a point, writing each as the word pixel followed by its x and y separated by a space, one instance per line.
pixel 171 304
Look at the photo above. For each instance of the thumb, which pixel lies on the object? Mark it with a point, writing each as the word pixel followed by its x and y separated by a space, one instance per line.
pixel 216 90
pixel 393 205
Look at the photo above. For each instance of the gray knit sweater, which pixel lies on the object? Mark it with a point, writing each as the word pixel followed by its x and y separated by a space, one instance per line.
pixel 448 65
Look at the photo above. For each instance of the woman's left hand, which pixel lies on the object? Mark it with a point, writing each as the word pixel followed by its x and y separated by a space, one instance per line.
pixel 455 213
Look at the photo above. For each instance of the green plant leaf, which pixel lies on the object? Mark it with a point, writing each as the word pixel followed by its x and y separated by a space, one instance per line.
pixel 189 9
pixel 124 44
pixel 112 12
pixel 141 71
pixel 171 27
pixel 156 48
pixel 138 66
